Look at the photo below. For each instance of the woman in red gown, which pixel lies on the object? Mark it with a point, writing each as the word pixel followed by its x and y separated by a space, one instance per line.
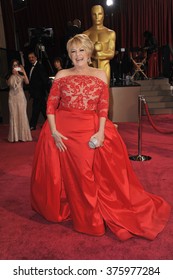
pixel 71 180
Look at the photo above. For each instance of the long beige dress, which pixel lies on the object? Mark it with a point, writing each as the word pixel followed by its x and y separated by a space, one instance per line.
pixel 19 129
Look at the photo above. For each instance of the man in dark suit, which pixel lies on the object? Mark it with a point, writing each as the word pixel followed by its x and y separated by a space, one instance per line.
pixel 38 85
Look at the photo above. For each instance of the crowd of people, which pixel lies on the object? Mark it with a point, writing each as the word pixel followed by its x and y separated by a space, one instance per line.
pixel 39 84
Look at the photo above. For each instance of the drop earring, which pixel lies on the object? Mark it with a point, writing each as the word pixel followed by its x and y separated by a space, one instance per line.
pixel 89 61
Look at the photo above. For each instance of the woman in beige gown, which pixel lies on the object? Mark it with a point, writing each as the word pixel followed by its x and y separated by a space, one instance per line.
pixel 19 129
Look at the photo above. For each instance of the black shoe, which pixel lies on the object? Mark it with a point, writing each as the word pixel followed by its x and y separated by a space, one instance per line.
pixel 33 128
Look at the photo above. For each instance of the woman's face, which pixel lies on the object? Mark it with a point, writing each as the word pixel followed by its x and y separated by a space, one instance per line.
pixel 79 55
pixel 57 64
pixel 15 64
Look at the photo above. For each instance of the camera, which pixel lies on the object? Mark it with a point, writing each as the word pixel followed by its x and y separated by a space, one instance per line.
pixel 17 68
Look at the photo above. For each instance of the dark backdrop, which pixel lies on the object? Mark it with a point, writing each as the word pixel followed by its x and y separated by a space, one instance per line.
pixel 129 18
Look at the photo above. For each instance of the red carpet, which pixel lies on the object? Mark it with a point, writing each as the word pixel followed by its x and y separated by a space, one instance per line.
pixel 25 235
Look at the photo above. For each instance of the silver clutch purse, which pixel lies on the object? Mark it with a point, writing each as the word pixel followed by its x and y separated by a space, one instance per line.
pixel 92 143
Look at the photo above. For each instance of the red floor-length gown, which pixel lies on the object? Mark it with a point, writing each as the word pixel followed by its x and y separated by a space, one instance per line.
pixel 93 187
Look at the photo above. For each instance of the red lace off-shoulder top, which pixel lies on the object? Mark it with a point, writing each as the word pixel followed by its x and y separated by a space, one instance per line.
pixel 79 92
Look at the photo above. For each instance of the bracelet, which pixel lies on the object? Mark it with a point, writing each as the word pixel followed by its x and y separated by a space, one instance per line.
pixel 54 134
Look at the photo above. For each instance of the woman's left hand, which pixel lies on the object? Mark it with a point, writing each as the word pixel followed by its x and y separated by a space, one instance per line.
pixel 100 138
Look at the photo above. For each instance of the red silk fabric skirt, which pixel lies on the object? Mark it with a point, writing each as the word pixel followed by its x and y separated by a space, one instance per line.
pixel 93 187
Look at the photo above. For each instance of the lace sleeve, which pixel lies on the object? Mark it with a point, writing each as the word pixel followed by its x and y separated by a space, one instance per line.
pixel 54 97
pixel 103 103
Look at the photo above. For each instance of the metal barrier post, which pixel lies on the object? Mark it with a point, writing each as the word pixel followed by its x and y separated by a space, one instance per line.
pixel 140 157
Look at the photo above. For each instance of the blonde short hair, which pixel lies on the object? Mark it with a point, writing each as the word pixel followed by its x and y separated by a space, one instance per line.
pixel 83 40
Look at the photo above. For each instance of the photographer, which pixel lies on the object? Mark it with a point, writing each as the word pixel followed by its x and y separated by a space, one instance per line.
pixel 18 124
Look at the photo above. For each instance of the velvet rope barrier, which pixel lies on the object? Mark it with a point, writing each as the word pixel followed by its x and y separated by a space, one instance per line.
pixel 139 156
pixel 151 121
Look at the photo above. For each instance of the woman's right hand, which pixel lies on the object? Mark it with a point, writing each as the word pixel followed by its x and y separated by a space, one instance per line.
pixel 22 69
pixel 58 138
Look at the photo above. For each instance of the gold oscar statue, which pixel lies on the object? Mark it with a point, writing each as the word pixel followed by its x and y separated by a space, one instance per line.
pixel 103 39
